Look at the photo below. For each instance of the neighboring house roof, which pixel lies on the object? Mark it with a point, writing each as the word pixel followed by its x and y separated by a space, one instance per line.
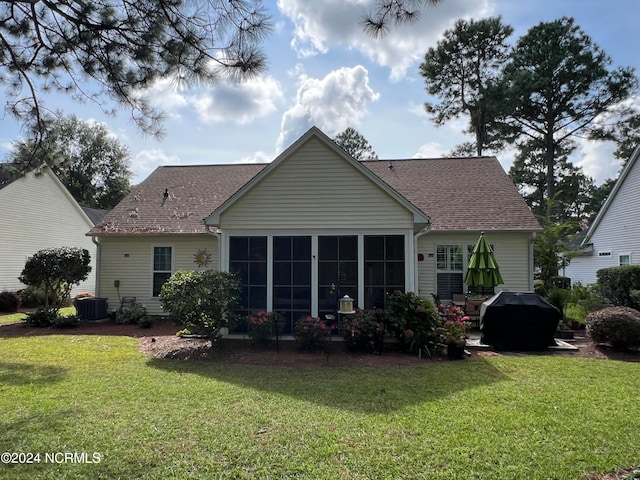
pixel 95 214
pixel 456 194
pixel 614 191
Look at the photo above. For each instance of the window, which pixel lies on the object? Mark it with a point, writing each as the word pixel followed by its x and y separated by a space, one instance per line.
pixel 624 259
pixel 248 260
pixel 161 267
pixel 449 267
pixel 383 268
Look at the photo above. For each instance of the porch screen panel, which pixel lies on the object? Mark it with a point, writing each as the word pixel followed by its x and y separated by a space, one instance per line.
pixel 384 268
pixel 291 279
pixel 248 259
pixel 337 271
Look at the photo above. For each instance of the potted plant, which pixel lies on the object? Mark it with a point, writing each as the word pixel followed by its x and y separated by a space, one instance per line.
pixel 454 330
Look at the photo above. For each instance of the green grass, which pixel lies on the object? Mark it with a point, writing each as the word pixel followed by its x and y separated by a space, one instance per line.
pixel 507 417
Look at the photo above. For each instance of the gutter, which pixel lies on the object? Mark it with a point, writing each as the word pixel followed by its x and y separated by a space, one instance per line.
pixel 217 234
pixel 95 241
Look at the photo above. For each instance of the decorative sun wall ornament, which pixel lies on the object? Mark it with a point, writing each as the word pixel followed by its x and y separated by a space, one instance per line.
pixel 202 258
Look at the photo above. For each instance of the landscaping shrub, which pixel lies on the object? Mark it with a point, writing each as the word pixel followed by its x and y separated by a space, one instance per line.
pixel 133 313
pixel 33 297
pixel 65 321
pixel 262 326
pixel 311 333
pixel 411 319
pixel 618 326
pixel 42 317
pixel 202 301
pixel 616 284
pixel 363 331
pixel 9 302
pixel 558 297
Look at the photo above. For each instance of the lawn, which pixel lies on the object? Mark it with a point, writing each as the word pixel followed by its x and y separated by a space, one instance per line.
pixel 502 417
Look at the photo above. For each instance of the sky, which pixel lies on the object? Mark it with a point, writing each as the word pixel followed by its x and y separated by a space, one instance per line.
pixel 324 71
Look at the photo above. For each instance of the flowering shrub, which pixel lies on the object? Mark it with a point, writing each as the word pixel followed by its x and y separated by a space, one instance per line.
pixel 311 333
pixel 134 313
pixel 412 319
pixel 454 324
pixel 364 330
pixel 262 326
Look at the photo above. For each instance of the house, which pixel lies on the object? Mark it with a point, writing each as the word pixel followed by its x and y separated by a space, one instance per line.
pixel 314 225
pixel 613 239
pixel 37 212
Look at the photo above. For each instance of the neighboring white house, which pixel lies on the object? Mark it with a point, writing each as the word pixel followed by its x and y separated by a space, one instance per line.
pixel 37 212
pixel 314 225
pixel 614 237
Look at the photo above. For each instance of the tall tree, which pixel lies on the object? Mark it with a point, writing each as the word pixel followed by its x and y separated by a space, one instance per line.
pixel 555 85
pixel 124 46
pixel 87 159
pixel 354 143
pixel 627 137
pixel 461 70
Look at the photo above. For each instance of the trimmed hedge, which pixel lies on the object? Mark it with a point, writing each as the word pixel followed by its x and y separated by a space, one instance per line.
pixel 617 283
pixel 618 326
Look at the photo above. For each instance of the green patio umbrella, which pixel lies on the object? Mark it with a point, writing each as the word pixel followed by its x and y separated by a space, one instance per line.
pixel 483 270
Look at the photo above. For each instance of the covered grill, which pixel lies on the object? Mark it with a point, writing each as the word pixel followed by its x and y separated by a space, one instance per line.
pixel 518 321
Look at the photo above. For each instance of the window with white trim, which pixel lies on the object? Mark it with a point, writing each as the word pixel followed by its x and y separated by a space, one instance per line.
pixel 624 259
pixel 162 259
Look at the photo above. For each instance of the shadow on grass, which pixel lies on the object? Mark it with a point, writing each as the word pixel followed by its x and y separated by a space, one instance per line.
pixel 17 374
pixel 360 389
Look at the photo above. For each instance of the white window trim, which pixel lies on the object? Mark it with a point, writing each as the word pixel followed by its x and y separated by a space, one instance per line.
pixel 173 262
pixel 624 254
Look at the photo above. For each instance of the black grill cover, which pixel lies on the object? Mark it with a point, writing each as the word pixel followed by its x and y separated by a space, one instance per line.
pixel 518 321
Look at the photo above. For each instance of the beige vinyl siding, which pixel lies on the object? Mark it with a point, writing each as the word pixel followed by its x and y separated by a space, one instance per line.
pixel 37 212
pixel 130 260
pixel 315 188
pixel 511 252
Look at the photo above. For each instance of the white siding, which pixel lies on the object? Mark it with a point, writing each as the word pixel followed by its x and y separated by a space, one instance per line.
pixel 130 260
pixel 315 188
pixel 37 212
pixel 618 231
pixel 511 253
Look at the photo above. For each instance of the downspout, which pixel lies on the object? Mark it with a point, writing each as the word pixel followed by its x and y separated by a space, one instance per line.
pixel 531 262
pixel 95 241
pixel 217 234
pixel 416 275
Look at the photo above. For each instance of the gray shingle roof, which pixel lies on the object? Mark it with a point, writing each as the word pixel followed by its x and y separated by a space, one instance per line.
pixel 471 193
pixel 457 193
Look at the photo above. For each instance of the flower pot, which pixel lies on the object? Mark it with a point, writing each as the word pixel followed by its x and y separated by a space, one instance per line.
pixel 455 351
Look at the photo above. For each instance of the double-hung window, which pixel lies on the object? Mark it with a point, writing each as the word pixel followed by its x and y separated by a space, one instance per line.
pixel 162 265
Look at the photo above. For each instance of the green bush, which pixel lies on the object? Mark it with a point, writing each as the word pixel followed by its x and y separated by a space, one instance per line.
pixel 616 284
pixel 412 319
pixel 42 317
pixel 558 297
pixel 134 313
pixel 311 333
pixel 65 321
pixel 9 302
pixel 202 301
pixel 261 326
pixel 617 326
pixel 363 331
pixel 34 297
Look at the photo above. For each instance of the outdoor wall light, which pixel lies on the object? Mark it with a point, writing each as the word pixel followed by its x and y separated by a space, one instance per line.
pixel 346 305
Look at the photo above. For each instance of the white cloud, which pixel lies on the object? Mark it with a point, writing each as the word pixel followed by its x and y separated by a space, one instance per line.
pixel 319 25
pixel 430 150
pixel 258 157
pixel 240 102
pixel 165 95
pixel 597 160
pixel 333 103
pixel 145 161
